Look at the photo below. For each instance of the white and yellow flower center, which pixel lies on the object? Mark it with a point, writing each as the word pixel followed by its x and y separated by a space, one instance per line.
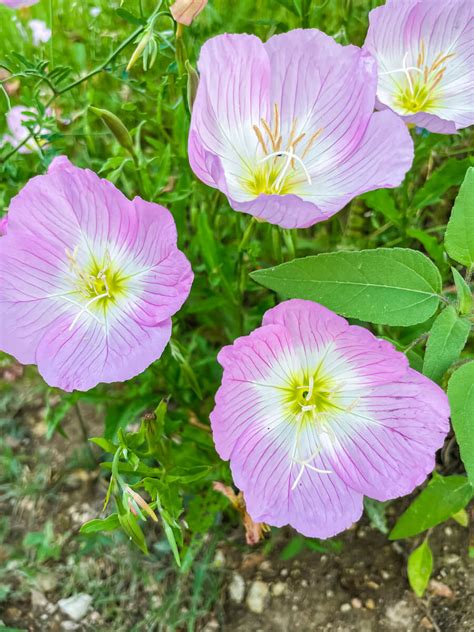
pixel 98 283
pixel 418 87
pixel 280 164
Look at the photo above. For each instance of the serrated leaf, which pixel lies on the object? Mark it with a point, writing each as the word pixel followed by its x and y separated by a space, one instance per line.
pixel 451 173
pixel 441 498
pixel 461 399
pixel 459 238
pixel 390 286
pixel 110 523
pixel 447 339
pixel 420 567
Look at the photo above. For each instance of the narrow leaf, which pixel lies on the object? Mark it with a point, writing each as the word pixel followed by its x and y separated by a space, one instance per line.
pixel 447 339
pixel 420 566
pixel 450 174
pixel 461 399
pixel 459 239
pixel 391 286
pixel 441 498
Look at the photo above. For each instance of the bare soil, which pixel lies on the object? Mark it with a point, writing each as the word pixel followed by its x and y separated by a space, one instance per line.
pixel 363 588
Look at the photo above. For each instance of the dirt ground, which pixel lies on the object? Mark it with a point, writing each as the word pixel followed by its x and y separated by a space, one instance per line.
pixel 362 588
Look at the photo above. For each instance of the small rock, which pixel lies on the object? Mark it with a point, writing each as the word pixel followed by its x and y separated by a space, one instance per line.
pixel 266 566
pixel 304 583
pixel 69 626
pixel 448 531
pixel 75 607
pixel 385 575
pixel 426 624
pixel 211 626
pixel 356 603
pixel 373 585
pixel 440 590
pixel 46 582
pixel 237 588
pixel 346 607
pixel 278 589
pixel 370 604
pixel 38 600
pixel 400 615
pixel 284 572
pixel 257 597
pixel 329 593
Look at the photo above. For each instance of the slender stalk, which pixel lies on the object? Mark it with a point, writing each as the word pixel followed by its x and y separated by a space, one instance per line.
pixel 78 82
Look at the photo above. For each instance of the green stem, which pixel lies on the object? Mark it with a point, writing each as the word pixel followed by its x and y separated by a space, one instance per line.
pixel 76 83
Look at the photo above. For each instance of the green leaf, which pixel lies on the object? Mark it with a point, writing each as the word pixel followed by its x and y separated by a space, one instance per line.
pixel 376 511
pixel 459 238
pixel 441 498
pixel 110 523
pixel 420 566
pixel 447 339
pixel 130 525
pixel 432 246
pixel 295 545
pixel 461 517
pixel 382 201
pixel 464 293
pixel 451 173
pixel 105 444
pixel 461 399
pixel 390 286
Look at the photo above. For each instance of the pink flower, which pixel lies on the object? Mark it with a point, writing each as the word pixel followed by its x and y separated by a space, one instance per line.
pixel 89 279
pixel 3 225
pixel 286 129
pixel 185 11
pixel 18 4
pixel 16 117
pixel 314 413
pixel 424 54
pixel 39 31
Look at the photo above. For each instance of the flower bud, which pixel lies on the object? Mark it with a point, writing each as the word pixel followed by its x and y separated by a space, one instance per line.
pixel 117 128
pixel 184 11
pixel 142 44
pixel 193 83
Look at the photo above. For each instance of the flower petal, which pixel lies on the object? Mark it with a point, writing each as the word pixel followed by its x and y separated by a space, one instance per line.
pixel 386 445
pixel 231 98
pixel 252 429
pixel 33 291
pixel 381 161
pixel 320 85
pixel 80 357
